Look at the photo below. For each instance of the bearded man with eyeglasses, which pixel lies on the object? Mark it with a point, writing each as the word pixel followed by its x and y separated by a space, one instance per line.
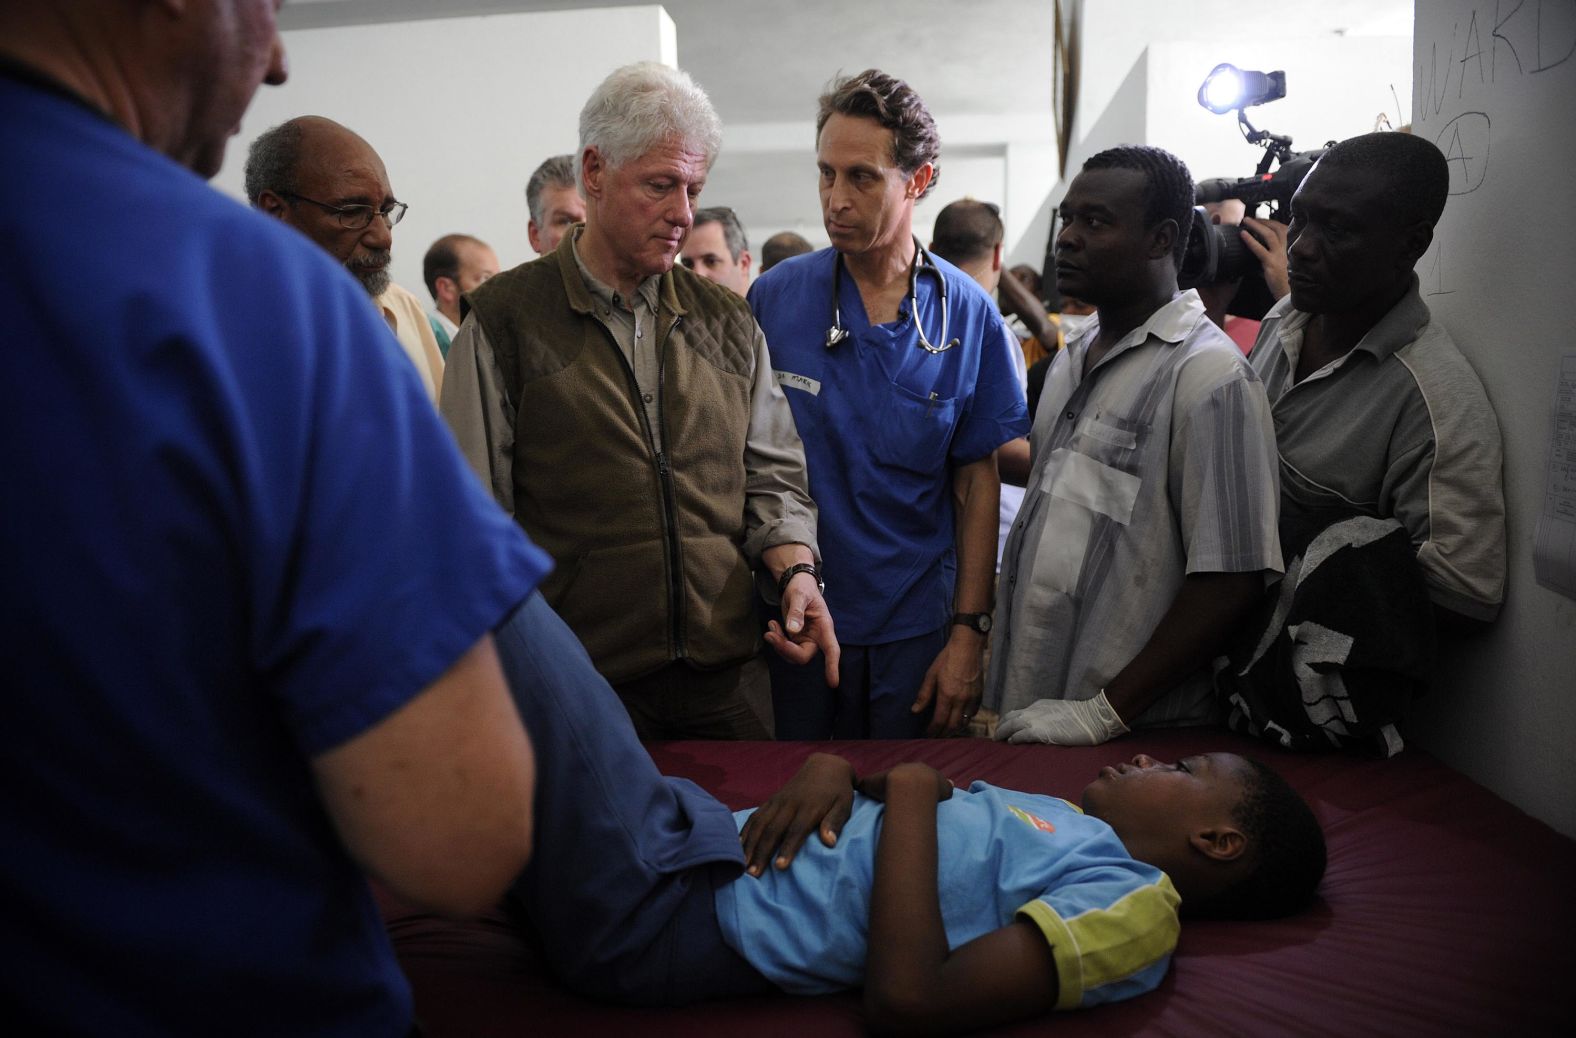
pixel 328 183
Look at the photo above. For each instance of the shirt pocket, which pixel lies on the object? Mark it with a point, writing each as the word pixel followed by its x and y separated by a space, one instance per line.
pixel 1079 479
pixel 1110 440
pixel 913 431
pixel 1078 490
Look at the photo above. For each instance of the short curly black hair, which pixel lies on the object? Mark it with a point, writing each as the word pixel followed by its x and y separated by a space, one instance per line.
pixel 1286 846
pixel 893 103
pixel 1168 186
pixel 1416 175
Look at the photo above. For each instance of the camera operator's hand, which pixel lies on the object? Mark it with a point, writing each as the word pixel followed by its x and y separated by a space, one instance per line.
pixel 1268 242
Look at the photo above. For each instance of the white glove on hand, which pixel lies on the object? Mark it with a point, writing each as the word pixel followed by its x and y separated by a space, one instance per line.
pixel 1063 722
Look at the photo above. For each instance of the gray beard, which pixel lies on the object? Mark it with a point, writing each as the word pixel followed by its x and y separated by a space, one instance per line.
pixel 374 281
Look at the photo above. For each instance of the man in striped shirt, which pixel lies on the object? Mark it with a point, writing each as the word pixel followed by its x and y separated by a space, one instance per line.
pixel 1149 523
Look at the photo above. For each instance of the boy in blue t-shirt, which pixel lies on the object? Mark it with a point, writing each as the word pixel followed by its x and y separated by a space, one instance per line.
pixel 953 909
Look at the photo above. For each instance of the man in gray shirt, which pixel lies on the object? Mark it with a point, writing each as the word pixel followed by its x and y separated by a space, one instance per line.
pixel 1390 459
pixel 624 411
pixel 1376 411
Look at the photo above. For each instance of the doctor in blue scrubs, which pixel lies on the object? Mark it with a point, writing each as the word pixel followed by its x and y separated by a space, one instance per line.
pixel 898 374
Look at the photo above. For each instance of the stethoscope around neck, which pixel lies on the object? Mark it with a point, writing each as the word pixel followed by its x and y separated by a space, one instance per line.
pixel 922 264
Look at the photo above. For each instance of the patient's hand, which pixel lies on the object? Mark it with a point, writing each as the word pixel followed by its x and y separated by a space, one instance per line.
pixel 819 798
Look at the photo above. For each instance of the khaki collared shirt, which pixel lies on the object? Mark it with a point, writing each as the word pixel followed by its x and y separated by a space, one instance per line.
pixel 406 319
pixel 632 323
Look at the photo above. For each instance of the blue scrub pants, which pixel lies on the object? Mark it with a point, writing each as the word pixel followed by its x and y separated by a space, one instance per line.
pixel 621 883
pixel 876 687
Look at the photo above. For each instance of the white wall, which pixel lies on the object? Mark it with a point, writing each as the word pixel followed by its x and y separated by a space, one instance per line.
pixel 1141 63
pixel 767 173
pixel 1116 34
pixel 1499 278
pixel 1335 87
pixel 460 109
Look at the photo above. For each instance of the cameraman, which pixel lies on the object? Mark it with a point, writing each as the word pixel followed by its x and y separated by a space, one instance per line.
pixel 1391 465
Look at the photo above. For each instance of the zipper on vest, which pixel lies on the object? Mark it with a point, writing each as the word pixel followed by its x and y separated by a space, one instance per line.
pixel 665 483
pixel 669 496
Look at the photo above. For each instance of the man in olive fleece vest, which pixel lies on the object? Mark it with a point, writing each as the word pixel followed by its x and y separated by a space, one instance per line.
pixel 624 411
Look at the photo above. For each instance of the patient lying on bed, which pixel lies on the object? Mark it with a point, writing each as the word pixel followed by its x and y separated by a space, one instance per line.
pixel 954 909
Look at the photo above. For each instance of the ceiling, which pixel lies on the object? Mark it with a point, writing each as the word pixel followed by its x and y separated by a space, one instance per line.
pixel 940 45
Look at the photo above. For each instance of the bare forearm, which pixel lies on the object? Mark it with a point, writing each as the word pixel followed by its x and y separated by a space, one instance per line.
pixel 1012 461
pixel 1204 613
pixel 914 982
pixel 977 489
pixel 908 943
pixel 1017 299
pixel 453 767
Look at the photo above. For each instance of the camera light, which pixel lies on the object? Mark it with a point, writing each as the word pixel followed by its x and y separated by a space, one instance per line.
pixel 1221 89
pixel 1227 87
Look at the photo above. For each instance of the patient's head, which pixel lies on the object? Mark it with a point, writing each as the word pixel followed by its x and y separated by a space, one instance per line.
pixel 1235 838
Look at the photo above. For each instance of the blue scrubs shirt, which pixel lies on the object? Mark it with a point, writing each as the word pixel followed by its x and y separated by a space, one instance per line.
pixel 234 535
pixel 883 422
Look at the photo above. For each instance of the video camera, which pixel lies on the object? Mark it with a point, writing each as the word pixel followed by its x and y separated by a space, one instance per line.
pixel 1215 252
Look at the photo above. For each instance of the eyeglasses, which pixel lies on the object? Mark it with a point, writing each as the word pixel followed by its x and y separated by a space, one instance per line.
pixel 356 217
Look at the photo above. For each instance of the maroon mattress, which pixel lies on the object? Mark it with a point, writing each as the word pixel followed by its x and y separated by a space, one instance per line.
pixel 1445 911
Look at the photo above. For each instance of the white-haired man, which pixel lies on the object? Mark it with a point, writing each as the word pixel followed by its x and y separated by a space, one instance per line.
pixel 623 410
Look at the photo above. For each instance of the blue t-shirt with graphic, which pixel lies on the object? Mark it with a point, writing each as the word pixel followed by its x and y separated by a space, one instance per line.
pixel 1111 921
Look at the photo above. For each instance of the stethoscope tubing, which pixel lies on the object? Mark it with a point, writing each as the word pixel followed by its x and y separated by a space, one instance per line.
pixel 923 264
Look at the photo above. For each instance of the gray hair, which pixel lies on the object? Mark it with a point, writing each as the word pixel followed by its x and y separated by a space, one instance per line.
pixel 272 161
pixel 732 229
pixel 558 171
pixel 640 105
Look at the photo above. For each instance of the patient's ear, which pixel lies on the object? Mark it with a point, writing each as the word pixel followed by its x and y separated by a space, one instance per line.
pixel 1221 843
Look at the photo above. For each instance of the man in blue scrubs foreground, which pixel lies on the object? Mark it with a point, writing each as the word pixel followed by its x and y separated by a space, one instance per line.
pixel 897 368
pixel 953 909
pixel 248 580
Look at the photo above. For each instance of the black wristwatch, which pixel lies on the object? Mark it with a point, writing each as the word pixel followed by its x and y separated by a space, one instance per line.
pixel 973 621
pixel 793 571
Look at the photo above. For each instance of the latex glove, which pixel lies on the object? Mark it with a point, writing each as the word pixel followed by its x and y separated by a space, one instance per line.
pixel 1063 722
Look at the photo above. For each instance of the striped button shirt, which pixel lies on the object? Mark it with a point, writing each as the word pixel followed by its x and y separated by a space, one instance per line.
pixel 1158 463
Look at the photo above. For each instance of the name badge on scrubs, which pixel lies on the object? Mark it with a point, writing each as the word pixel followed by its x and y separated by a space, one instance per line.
pixel 788 380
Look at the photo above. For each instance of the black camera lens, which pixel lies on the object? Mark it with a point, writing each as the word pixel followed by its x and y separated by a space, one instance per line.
pixel 1233 258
